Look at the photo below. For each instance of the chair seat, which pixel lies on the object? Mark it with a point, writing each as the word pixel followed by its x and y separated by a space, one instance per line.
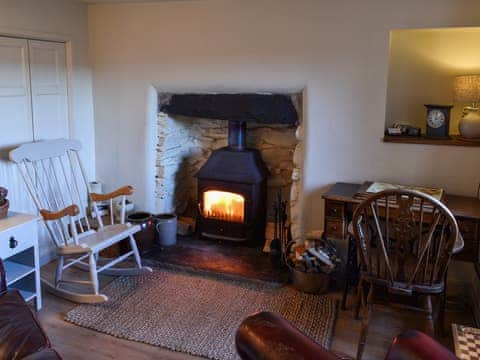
pixel 95 241
pixel 379 275
pixel 107 236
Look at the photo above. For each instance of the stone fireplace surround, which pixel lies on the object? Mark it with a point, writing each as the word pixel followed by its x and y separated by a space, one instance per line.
pixel 185 143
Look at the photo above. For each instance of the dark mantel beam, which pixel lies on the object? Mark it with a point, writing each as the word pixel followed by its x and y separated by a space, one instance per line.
pixel 258 108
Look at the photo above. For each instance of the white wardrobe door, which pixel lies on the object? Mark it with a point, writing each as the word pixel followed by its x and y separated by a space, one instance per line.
pixel 15 113
pixel 49 90
pixel 15 116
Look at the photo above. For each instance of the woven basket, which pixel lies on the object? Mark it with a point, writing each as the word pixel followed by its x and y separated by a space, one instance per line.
pixel 4 209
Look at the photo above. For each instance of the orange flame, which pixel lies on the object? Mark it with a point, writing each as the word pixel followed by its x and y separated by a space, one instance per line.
pixel 223 205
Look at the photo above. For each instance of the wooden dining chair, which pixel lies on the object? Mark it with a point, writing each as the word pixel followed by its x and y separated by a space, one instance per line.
pixel 405 240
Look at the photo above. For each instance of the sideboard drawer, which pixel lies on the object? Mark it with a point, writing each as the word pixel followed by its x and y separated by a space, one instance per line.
pixel 334 228
pixel 334 209
pixel 15 240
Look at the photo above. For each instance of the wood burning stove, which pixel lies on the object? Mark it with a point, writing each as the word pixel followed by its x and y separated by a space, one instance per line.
pixel 232 191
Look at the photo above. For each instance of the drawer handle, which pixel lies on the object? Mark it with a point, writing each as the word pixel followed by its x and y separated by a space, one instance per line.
pixel 334 211
pixel 13 243
pixel 334 228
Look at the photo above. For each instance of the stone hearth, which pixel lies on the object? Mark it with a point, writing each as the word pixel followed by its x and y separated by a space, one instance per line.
pixel 185 143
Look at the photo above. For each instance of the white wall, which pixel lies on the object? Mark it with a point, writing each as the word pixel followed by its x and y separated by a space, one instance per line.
pixel 422 66
pixel 338 50
pixel 66 21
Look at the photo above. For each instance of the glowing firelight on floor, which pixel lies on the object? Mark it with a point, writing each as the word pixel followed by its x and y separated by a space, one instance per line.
pixel 223 205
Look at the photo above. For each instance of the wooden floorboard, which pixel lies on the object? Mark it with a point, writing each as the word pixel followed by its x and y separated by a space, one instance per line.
pixel 75 342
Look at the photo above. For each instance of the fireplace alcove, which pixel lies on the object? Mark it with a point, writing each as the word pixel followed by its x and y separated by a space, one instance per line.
pixel 235 169
pixel 264 130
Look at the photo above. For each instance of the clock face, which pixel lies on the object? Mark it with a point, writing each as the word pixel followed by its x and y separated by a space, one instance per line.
pixel 435 119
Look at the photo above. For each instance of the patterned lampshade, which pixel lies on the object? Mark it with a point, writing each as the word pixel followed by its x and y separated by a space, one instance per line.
pixel 467 88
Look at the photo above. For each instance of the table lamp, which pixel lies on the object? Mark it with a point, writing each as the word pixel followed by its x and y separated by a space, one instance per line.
pixel 467 90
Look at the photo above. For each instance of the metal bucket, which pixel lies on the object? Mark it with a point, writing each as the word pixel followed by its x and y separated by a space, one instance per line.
pixel 313 283
pixel 166 226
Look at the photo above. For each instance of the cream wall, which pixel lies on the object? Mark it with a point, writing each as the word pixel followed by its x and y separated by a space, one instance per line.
pixel 60 20
pixel 422 66
pixel 336 50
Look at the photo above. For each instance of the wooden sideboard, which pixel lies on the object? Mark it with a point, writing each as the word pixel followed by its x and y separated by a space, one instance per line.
pixel 340 203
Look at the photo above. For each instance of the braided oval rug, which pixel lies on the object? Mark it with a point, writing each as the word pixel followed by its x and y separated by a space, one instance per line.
pixel 199 315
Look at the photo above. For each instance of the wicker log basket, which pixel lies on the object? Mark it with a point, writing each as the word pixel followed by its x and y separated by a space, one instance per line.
pixel 4 204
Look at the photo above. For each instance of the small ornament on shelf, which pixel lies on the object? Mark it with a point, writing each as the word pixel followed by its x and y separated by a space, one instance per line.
pixel 403 130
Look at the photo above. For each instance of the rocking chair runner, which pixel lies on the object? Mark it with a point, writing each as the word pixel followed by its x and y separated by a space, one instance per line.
pixel 56 180
pixel 405 240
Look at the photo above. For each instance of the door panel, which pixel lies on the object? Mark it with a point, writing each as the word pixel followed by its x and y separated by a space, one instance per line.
pixel 15 116
pixel 49 90
pixel 15 113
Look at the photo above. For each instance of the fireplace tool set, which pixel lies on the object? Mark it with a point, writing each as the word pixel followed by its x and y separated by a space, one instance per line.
pixel 281 233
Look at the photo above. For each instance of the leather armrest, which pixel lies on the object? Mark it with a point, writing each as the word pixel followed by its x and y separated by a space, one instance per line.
pixel 413 344
pixel 20 333
pixel 268 336
pixel 3 278
pixel 47 354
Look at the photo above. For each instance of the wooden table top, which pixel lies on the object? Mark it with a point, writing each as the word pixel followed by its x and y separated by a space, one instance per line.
pixel 461 206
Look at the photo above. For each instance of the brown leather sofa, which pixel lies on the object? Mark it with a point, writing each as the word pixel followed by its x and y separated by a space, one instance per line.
pixel 268 336
pixel 21 335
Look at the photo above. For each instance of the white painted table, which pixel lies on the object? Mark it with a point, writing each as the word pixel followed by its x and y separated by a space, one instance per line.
pixel 19 252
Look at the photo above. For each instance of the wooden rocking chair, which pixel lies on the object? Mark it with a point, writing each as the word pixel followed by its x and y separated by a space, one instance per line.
pixel 56 180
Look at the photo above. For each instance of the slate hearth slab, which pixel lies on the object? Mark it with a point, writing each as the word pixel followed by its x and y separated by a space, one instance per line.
pixel 226 259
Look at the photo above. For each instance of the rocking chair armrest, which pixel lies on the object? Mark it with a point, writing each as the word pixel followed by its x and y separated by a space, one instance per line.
pixel 71 210
pixel 124 190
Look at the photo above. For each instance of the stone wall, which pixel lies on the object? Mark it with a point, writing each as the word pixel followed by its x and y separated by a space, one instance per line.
pixel 185 143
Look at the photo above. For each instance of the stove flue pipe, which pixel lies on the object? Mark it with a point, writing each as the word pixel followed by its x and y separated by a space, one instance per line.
pixel 237 135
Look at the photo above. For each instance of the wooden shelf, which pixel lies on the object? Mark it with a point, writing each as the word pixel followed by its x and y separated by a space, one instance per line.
pixel 26 294
pixel 16 271
pixel 455 140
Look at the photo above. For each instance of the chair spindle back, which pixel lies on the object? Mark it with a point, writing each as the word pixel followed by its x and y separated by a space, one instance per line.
pixel 405 240
pixel 56 179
